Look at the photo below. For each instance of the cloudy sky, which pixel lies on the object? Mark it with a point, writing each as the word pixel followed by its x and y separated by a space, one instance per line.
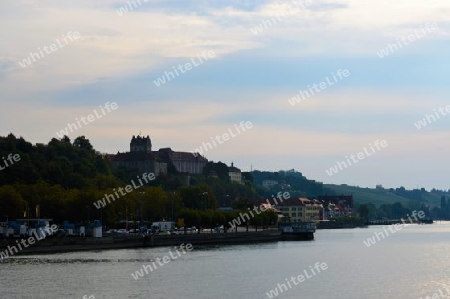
pixel 265 53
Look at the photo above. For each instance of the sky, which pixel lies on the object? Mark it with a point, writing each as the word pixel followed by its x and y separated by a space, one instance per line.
pixel 375 69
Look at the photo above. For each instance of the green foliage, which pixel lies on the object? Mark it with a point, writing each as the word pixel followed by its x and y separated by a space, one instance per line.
pixel 219 168
pixel 65 179
pixel 242 204
pixel 291 180
pixel 364 211
pixel 395 203
pixel 82 142
pixel 11 203
pixel 199 197
pixel 58 163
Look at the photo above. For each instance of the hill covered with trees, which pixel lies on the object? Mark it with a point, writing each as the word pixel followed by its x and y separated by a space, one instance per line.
pixel 63 179
pixel 388 202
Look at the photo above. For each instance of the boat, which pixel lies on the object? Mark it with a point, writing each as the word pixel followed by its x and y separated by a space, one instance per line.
pixel 297 230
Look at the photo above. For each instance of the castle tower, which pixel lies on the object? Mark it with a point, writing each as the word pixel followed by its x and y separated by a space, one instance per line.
pixel 141 144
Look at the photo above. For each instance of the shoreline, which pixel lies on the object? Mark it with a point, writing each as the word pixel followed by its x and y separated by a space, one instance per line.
pixel 54 244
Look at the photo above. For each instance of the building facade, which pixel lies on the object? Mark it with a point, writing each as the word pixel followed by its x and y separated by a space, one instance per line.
pixel 269 183
pixel 142 159
pixel 141 144
pixel 337 205
pixel 139 159
pixel 235 174
pixel 184 162
pixel 301 209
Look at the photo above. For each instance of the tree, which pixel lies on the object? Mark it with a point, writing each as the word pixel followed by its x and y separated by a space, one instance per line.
pixel 65 139
pixel 82 142
pixel 219 168
pixel 11 203
pixel 364 211
pixel 443 203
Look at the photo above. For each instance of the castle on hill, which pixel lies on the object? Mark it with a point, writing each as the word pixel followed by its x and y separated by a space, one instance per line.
pixel 142 159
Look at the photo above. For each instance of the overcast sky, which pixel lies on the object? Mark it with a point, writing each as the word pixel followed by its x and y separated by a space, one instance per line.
pixel 251 77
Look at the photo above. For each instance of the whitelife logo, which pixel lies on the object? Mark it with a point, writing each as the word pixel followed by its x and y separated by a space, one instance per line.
pixel 187 67
pixel 48 50
pixel 391 48
pixel 12 159
pixel 393 228
pixel 430 117
pixel 126 8
pixel 244 217
pixel 165 260
pixel 128 188
pixel 265 24
pixel 297 280
pixel 360 156
pixel 322 85
pixel 86 120
pixel 48 231
pixel 225 137
pixel 439 294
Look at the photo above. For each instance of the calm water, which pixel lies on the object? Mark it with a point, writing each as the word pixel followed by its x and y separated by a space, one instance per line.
pixel 408 264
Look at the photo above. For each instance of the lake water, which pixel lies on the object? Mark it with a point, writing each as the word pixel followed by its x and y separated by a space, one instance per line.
pixel 411 263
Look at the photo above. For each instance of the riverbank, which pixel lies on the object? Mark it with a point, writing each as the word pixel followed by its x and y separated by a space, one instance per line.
pixel 54 244
pixel 339 225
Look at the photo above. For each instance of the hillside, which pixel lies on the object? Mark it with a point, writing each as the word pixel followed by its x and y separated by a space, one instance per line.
pixel 379 196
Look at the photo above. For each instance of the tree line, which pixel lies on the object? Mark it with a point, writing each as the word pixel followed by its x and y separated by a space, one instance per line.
pixel 62 179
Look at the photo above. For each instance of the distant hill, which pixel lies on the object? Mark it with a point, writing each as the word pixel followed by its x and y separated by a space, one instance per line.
pixel 378 196
pixel 286 180
pixel 63 179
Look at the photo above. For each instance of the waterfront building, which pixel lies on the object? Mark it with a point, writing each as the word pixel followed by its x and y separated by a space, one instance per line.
pixel 301 209
pixel 330 211
pixel 337 205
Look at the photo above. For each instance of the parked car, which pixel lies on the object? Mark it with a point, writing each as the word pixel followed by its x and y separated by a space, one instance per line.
pixel 122 231
pixel 219 229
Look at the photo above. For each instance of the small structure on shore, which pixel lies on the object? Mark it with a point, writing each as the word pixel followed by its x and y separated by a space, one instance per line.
pixel 297 230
